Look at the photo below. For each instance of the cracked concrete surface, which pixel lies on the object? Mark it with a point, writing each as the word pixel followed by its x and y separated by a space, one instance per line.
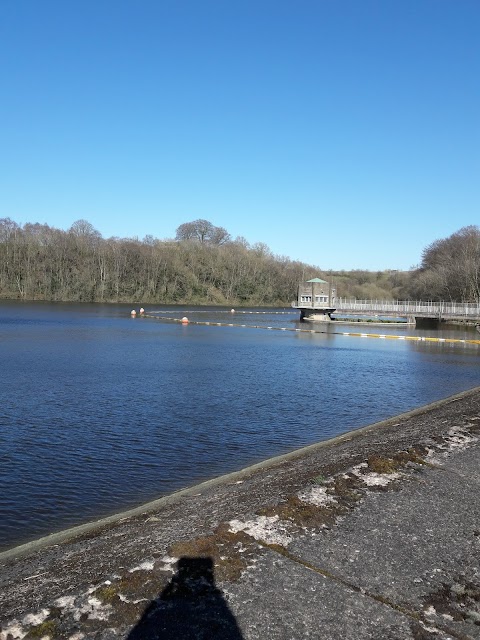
pixel 372 535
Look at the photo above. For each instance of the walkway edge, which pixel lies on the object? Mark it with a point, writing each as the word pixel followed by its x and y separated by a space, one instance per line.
pixel 90 527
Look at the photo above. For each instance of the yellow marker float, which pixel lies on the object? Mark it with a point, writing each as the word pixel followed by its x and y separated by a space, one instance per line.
pixel 353 334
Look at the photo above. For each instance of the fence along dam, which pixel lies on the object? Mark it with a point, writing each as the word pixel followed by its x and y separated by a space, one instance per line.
pixel 317 301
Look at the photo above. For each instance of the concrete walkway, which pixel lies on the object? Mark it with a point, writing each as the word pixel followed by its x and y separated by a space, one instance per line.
pixel 373 535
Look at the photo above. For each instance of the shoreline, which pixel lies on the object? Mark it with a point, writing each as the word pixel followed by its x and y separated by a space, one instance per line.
pixel 180 306
pixel 356 536
pixel 90 527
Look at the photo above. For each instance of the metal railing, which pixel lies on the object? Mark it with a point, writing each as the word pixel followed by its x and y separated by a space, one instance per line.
pixel 401 307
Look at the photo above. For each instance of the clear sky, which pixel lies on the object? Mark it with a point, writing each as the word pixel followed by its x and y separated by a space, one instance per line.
pixel 344 133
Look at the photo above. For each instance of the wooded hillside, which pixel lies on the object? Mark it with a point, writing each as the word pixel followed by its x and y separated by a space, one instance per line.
pixel 203 265
pixel 39 262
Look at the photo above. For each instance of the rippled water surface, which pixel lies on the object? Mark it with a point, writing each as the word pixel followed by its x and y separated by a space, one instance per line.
pixel 100 412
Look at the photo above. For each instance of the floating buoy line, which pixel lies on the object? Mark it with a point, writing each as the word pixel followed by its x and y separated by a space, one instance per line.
pixel 269 313
pixel 355 334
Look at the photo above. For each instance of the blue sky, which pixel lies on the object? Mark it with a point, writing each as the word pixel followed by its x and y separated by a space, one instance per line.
pixel 344 133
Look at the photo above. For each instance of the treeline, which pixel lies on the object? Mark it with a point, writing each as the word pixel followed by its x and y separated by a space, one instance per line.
pixel 450 268
pixel 204 265
pixel 39 262
pixel 371 285
pixel 449 271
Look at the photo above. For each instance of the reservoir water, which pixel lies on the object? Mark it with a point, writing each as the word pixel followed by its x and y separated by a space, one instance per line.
pixel 100 412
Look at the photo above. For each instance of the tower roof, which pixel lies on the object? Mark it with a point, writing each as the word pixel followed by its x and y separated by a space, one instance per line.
pixel 318 280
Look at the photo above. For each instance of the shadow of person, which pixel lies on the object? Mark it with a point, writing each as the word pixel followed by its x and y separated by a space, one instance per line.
pixel 190 607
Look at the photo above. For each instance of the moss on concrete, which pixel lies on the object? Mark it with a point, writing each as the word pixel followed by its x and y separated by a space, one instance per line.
pixel 230 552
pixel 48 628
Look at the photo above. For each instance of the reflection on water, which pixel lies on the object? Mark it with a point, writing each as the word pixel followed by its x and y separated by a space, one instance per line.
pixel 100 412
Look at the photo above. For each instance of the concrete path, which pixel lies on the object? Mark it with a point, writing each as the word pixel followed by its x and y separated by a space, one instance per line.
pixel 374 535
pixel 404 564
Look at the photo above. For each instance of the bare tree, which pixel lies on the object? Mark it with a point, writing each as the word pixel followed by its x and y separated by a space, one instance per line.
pixel 84 229
pixel 450 268
pixel 203 231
